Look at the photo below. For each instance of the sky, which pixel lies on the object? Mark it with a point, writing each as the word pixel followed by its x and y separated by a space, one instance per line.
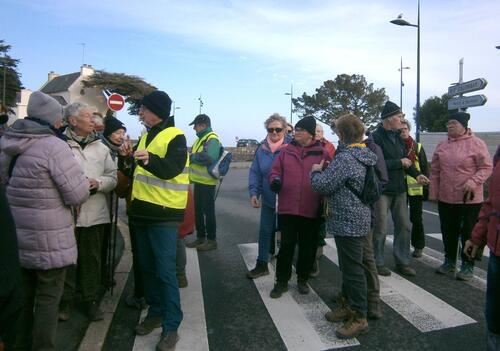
pixel 242 56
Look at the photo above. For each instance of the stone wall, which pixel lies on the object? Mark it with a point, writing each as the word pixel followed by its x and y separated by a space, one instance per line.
pixel 242 153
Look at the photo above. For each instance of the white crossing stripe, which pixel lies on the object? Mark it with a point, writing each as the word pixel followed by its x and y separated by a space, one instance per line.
pixel 298 318
pixel 430 212
pixel 422 309
pixel 439 236
pixel 193 329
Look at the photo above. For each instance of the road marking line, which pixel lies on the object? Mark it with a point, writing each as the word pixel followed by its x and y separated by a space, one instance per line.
pixel 298 318
pixel 193 329
pixel 422 309
pixel 439 236
pixel 430 212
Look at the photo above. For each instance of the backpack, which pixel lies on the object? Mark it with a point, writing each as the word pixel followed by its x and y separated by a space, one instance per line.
pixel 372 189
pixel 219 168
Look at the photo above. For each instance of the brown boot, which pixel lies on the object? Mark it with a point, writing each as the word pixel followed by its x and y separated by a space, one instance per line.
pixel 182 281
pixel 167 341
pixel 195 243
pixel 207 245
pixel 339 314
pixel 356 325
pixel 148 325
pixel 375 309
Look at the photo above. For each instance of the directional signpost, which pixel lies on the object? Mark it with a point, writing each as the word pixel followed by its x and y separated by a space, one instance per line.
pixel 467 87
pixel 467 101
pixel 461 102
pixel 116 102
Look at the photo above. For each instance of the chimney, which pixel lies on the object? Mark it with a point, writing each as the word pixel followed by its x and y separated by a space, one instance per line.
pixel 52 75
pixel 86 70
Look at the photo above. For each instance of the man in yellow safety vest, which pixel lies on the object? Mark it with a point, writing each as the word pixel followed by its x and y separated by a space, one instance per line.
pixel 205 151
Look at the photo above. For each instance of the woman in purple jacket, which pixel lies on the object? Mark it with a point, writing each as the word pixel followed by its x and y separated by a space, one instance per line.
pixel 258 187
pixel 298 205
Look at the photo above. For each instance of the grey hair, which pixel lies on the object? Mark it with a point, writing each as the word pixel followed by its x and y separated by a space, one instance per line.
pixel 73 109
pixel 276 117
pixel 407 122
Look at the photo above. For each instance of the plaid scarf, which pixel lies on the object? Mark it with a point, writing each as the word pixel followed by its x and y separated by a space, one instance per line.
pixel 410 149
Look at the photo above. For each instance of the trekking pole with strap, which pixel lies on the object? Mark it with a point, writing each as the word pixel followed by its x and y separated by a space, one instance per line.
pixel 218 188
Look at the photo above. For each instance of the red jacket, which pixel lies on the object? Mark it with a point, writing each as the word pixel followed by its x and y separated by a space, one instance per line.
pixel 487 229
pixel 328 145
pixel 292 167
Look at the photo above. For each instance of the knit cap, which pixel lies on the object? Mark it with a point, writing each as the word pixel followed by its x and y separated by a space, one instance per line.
pixel 308 123
pixel 44 107
pixel 159 103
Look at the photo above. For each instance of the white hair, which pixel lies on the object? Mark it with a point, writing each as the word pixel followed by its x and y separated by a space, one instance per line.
pixel 74 109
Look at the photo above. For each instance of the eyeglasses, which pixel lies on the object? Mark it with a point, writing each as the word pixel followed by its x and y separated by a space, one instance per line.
pixel 272 130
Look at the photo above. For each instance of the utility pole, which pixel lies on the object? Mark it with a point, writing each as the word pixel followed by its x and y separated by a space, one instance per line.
pixel 201 103
pixel 401 84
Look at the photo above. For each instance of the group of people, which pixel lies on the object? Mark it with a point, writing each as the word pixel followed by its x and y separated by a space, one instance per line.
pixel 303 183
pixel 59 169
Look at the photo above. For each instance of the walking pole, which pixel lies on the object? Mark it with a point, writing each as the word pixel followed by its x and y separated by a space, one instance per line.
pixel 218 188
pixel 277 236
pixel 115 231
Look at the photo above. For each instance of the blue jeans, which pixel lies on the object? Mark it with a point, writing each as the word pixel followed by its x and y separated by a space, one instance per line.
pixel 493 294
pixel 399 211
pixel 156 249
pixel 267 228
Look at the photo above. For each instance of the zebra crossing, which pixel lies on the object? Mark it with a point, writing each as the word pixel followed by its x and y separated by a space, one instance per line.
pixel 299 319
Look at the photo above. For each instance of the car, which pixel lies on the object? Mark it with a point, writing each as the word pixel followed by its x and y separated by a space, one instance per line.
pixel 247 143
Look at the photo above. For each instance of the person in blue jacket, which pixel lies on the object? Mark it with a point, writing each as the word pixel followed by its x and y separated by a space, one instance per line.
pixel 258 188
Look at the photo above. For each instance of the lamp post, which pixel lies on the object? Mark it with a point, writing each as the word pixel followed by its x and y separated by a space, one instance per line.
pixel 291 98
pixel 401 22
pixel 401 84
pixel 201 103
pixel 174 108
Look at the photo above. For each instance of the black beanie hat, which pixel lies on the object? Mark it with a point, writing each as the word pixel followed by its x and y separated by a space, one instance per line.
pixel 390 108
pixel 111 125
pixel 462 117
pixel 159 103
pixel 308 123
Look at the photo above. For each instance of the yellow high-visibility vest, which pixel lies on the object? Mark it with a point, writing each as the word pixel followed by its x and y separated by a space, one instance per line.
pixel 199 173
pixel 415 189
pixel 171 193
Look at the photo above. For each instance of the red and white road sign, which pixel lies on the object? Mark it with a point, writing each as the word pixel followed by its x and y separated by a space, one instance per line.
pixel 116 102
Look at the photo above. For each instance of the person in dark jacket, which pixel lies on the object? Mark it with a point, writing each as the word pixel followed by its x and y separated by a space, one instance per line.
pixel 298 205
pixel 10 274
pixel 417 193
pixel 258 188
pixel 348 220
pixel 158 202
pixel 394 196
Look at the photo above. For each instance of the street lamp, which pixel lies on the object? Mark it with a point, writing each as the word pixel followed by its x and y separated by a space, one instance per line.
pixel 401 22
pixel 174 108
pixel 401 84
pixel 291 98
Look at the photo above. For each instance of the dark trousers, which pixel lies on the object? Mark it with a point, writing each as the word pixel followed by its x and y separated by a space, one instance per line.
pixel 87 273
pixel 301 230
pixel 457 220
pixel 204 210
pixel 138 279
pixel 417 225
pixel 493 295
pixel 370 268
pixel 354 286
pixel 36 326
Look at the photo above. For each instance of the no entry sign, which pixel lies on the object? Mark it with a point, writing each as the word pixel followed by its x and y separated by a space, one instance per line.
pixel 116 102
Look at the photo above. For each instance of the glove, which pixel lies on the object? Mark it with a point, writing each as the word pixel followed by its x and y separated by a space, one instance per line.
pixel 275 185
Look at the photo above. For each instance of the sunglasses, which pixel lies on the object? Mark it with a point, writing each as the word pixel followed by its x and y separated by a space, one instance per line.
pixel 272 130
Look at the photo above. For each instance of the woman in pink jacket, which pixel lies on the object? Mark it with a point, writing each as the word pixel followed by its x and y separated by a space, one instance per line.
pixel 460 166
pixel 487 232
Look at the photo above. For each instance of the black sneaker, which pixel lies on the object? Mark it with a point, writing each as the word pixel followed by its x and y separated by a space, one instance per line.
pixel 278 290
pixel 260 270
pixel 94 312
pixel 302 286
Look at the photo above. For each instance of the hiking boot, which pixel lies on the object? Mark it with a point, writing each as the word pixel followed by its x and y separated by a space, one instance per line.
pixel 406 270
pixel 207 246
pixel 339 314
pixel 260 270
pixel 136 302
pixel 65 311
pixel 195 243
pixel 315 269
pixel 182 281
pixel 374 309
pixel 278 290
pixel 148 324
pixel 383 271
pixel 167 341
pixel 447 267
pixel 417 253
pixel 302 286
pixel 94 313
pixel 356 325
pixel 466 271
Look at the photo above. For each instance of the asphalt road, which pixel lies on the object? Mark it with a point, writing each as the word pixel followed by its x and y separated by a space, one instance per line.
pixel 426 312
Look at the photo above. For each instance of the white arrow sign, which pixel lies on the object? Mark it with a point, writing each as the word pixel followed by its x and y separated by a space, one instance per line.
pixel 467 87
pixel 466 101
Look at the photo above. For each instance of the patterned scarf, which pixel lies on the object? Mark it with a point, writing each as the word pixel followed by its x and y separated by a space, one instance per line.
pixel 83 141
pixel 410 149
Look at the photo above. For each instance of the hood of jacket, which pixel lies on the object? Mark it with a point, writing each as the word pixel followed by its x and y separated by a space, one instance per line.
pixel 21 135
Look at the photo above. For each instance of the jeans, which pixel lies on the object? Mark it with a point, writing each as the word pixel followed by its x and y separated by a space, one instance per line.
pixel 180 262
pixel 36 326
pixel 266 230
pixel 493 295
pixel 354 287
pixel 304 231
pixel 204 211
pixel 457 220
pixel 156 248
pixel 417 225
pixel 399 211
